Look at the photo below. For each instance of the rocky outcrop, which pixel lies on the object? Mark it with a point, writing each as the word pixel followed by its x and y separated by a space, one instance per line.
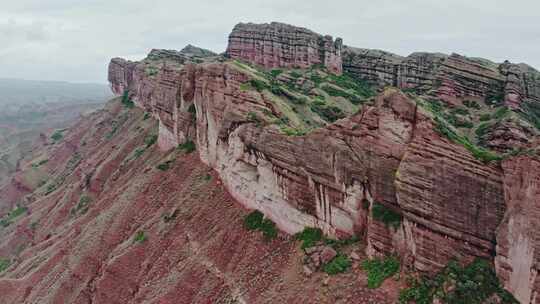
pixel 445 204
pixel 451 78
pixel 518 242
pixel 387 155
pixel 277 45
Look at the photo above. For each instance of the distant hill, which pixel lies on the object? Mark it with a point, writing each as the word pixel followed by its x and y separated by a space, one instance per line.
pixel 18 91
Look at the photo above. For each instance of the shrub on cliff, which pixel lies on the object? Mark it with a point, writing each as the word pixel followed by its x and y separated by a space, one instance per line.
pixel 187 147
pixel 309 236
pixel 165 165
pixel 4 264
pixel 456 284
pixel 140 237
pixel 150 140
pixel 339 264
pixel 329 113
pixel 126 100
pixel 57 135
pixel 386 215
pixel 10 217
pixel 256 221
pixel 379 269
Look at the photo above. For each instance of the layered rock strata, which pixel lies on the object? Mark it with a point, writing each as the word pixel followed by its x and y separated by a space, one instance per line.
pixel 387 156
pixel 518 242
pixel 380 156
pixel 277 45
pixel 449 77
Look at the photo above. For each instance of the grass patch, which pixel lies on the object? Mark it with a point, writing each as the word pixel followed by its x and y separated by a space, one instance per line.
pixel 501 113
pixel 379 270
pixel 471 104
pixel 485 117
pixel 82 205
pixel 12 216
pixel 327 112
pixel 479 153
pixel 57 136
pixel 4 264
pixel 40 163
pixel 386 215
pixel 165 165
pixel 348 81
pixel 126 100
pixel 332 91
pixel 256 221
pixel 455 284
pixel 150 140
pixel 188 147
pixel 140 237
pixel 276 72
pixel 309 236
pixel 339 264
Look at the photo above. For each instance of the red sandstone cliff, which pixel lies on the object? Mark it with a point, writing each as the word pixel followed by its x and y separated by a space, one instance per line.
pixel 386 154
pixel 277 45
pixel 451 204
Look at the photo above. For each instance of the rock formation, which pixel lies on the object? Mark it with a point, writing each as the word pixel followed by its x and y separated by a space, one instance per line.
pixel 277 45
pixel 449 77
pixel 449 205
pixel 518 242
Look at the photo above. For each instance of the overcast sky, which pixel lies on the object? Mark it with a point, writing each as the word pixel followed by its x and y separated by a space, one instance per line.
pixel 73 40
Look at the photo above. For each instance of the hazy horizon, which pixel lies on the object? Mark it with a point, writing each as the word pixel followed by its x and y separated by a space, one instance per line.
pixel 63 41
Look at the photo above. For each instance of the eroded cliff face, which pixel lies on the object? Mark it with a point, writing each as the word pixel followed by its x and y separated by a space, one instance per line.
pixel 387 154
pixel 449 77
pixel 277 45
pixel 518 243
pixel 449 204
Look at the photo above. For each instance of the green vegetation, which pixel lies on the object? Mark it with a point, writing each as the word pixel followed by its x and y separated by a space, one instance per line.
pixel 483 129
pixel 146 115
pixel 339 264
pixel 292 131
pixel 386 215
pixel 494 97
pixel 57 136
pixel 140 237
pixel 82 205
pixel 455 284
pixel 338 244
pixel 332 91
pixel 150 140
pixel 126 100
pixel 379 270
pixel 501 113
pixel 471 104
pixel 258 85
pixel 40 163
pixel 531 112
pixel 256 221
pixel 4 264
pixel 348 81
pixel 327 112
pixel 14 214
pixel 165 165
pixel 485 117
pixel 252 117
pixel 138 152
pixel 276 72
pixel 309 237
pixel 188 146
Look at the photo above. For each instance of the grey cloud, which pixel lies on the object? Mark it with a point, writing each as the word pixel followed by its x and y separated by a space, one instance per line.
pixel 73 40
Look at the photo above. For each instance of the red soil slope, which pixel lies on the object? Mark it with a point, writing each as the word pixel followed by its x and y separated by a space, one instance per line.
pixel 196 249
